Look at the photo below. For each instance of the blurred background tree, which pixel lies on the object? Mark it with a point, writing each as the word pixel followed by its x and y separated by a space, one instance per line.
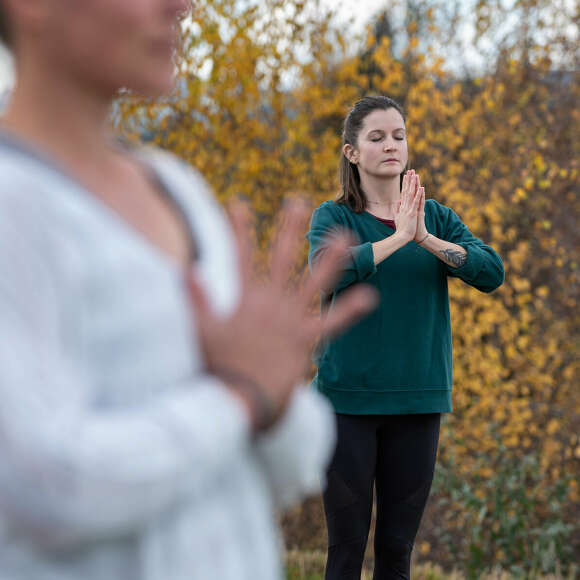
pixel 262 91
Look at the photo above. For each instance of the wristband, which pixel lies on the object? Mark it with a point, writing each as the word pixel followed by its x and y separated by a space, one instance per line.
pixel 265 413
pixel 421 241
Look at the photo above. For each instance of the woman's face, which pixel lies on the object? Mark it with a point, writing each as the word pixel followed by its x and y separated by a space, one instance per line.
pixel 381 149
pixel 107 44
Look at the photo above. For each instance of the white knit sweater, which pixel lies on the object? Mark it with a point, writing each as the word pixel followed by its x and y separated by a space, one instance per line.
pixel 119 458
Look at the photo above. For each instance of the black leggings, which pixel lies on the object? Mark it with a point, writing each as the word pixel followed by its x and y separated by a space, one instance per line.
pixel 396 453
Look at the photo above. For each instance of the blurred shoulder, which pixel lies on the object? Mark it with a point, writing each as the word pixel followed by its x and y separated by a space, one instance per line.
pixel 184 182
pixel 167 164
pixel 27 232
pixel 31 184
pixel 15 170
pixel 22 188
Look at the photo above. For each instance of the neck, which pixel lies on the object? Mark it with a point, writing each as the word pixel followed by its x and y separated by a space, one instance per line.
pixel 382 190
pixel 58 114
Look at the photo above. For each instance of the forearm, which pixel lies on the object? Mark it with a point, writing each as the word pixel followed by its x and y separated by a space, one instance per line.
pixel 388 246
pixel 106 473
pixel 452 254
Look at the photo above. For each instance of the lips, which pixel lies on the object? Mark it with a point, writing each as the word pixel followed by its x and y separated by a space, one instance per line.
pixel 390 160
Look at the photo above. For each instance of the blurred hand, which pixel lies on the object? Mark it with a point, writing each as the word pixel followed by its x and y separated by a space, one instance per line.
pixel 262 351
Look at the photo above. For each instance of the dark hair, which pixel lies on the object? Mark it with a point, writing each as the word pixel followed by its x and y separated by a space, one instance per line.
pixel 351 192
pixel 5 31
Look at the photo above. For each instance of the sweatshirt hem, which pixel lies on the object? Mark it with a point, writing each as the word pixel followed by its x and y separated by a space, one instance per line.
pixel 387 402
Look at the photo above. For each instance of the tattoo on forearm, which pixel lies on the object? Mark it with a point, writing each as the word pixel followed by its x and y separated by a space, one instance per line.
pixel 454 257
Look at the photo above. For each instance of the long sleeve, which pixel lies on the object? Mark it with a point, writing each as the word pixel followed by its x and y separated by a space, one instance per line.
pixel 484 268
pixel 70 471
pixel 323 225
pixel 295 453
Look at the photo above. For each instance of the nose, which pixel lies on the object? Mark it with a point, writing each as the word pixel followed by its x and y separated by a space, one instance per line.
pixel 389 144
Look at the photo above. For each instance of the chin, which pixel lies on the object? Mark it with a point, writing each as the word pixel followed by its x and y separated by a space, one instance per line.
pixel 148 77
pixel 153 86
pixel 389 173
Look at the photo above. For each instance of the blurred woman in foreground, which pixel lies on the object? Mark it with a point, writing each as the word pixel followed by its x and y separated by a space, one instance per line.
pixel 149 416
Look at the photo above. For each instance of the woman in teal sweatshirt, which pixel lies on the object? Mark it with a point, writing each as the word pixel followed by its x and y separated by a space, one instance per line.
pixel 389 377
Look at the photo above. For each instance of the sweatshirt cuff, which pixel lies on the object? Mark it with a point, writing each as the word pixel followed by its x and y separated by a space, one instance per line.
pixel 473 264
pixel 363 260
pixel 208 418
pixel 297 450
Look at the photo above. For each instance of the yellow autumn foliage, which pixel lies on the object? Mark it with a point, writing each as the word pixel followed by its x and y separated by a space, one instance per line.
pixel 262 92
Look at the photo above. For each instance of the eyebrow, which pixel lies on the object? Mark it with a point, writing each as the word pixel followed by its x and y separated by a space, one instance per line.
pixel 381 130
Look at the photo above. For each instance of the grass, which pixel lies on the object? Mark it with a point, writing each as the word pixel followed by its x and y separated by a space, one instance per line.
pixel 302 565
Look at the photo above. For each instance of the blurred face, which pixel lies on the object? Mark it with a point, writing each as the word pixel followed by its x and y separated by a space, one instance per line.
pixel 107 44
pixel 381 149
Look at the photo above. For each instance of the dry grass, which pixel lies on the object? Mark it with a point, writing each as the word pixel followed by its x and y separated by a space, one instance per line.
pixel 309 565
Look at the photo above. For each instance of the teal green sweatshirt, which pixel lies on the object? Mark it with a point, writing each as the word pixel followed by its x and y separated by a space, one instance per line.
pixel 397 360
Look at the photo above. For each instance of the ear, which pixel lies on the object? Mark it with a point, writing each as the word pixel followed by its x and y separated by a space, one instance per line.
pixel 350 153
